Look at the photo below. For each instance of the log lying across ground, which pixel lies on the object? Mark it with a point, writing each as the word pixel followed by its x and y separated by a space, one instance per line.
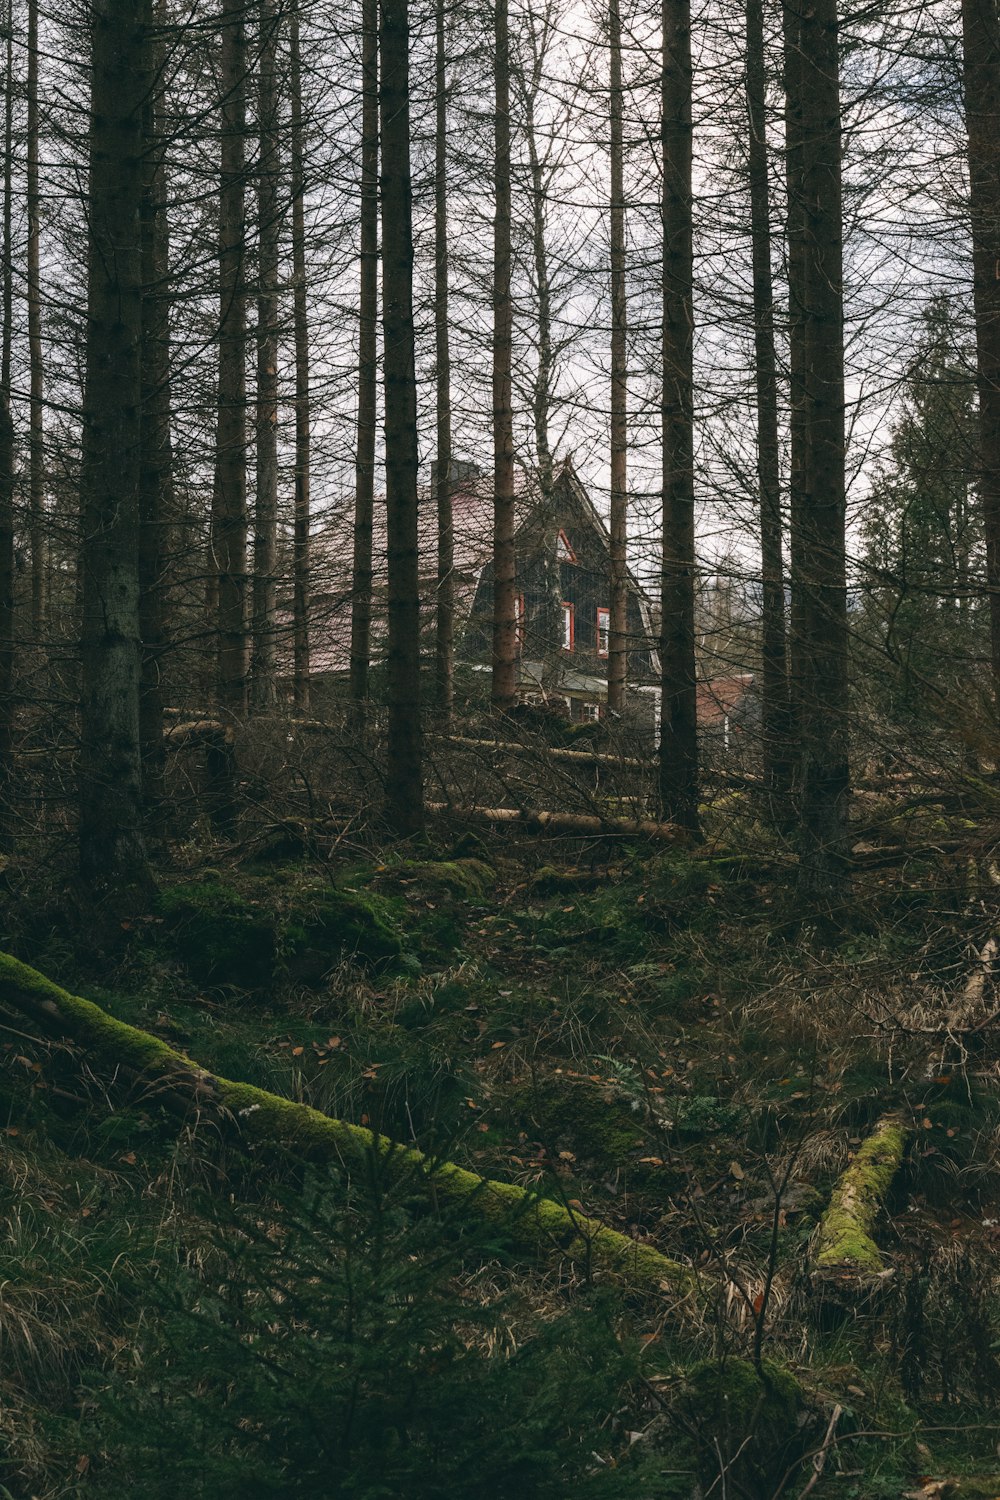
pixel 254 1117
pixel 594 758
pixel 844 1249
pixel 560 822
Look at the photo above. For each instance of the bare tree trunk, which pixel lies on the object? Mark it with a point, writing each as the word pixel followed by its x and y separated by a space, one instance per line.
pixel 819 619
pixel 364 473
pixel 263 646
pixel 36 432
pixel 112 852
pixel 445 624
pixel 504 685
pixel 542 392
pixel 156 499
pixel 230 491
pixel 548 620
pixel 774 674
pixel 8 203
pixel 300 559
pixel 796 273
pixel 7 462
pixel 404 781
pixel 6 623
pixel 678 709
pixel 618 622
pixel 981 45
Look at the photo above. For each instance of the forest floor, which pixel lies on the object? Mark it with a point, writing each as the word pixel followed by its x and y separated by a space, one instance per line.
pixel 657 1039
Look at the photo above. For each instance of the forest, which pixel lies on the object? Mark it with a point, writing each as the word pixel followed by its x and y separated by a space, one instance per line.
pixel 500 750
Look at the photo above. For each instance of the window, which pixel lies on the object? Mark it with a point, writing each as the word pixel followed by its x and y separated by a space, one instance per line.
pixel 564 551
pixel 590 713
pixel 603 630
pixel 519 620
pixel 568 627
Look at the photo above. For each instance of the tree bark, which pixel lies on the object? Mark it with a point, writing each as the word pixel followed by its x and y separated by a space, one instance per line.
pixel 981 77
pixel 263 645
pixel 364 473
pixel 404 781
pixel 542 391
pixel 819 619
pixel 8 203
pixel 112 851
pixel 445 624
pixel 504 679
pixel 6 623
pixel 678 707
pixel 618 604
pixel 36 420
pixel 7 461
pixel 230 490
pixel 300 559
pixel 774 667
pixel 156 492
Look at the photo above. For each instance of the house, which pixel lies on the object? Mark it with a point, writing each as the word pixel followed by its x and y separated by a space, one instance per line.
pixel 562 593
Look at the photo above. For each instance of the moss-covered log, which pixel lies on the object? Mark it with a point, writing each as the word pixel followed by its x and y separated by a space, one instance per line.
pixel 844 1246
pixel 258 1118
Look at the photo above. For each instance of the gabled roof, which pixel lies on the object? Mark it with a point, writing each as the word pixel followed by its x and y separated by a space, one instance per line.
pixel 332 550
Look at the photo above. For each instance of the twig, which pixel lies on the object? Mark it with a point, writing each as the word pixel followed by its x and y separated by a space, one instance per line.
pixel 819 1457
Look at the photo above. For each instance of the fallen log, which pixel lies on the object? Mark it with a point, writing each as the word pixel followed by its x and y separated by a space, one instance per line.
pixel 845 1256
pixel 255 1117
pixel 197 731
pixel 592 758
pixel 560 822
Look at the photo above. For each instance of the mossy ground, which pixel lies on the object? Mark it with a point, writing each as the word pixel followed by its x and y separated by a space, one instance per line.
pixel 660 1043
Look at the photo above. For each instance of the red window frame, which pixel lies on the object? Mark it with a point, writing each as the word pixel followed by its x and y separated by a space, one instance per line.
pixel 568 617
pixel 570 555
pixel 519 620
pixel 603 628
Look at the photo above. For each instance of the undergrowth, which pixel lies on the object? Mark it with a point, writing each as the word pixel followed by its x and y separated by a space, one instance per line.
pixel 662 1042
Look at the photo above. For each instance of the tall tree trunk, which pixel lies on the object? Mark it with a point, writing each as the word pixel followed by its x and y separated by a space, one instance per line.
pixel 444 659
pixel 774 668
pixel 548 619
pixel 156 493
pixel 618 622
pixel 8 202
pixel 36 429
pixel 7 460
pixel 112 851
pixel 404 781
pixel 981 45
pixel 230 489
pixel 819 592
pixel 364 472
pixel 504 685
pixel 542 392
pixel 678 710
pixel 300 555
pixel 263 648
pixel 6 622
pixel 796 275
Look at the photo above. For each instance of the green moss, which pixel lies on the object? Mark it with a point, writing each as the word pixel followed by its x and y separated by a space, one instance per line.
pixel 468 879
pixel 219 936
pixel 266 1120
pixel 550 881
pixel 358 923
pixel 579 1115
pixel 744 1420
pixel 254 936
pixel 845 1239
